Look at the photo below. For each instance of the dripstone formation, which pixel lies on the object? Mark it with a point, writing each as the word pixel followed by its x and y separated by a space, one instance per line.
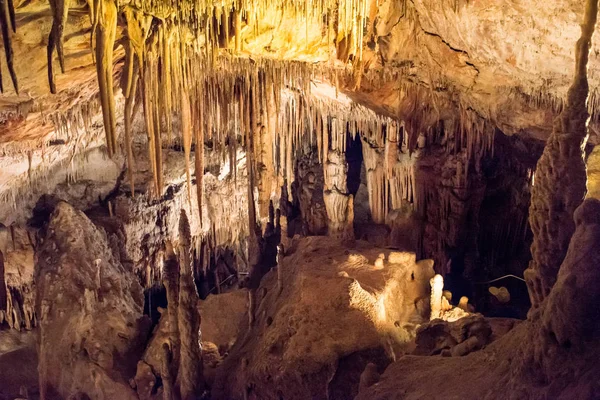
pixel 324 199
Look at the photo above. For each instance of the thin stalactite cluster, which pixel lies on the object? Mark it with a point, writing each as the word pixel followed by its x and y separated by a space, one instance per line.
pixel 159 33
pixel 190 90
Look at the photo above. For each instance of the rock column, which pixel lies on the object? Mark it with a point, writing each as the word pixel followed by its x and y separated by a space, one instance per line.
pixel 338 202
pixel 560 180
pixel 190 366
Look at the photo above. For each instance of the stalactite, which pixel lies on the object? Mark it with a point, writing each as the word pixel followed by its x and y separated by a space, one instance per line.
pixel 19 311
pixel 7 24
pixel 106 26
pixel 250 164
pixel 158 137
pixel 148 117
pixel 137 31
pixel 237 17
pixel 60 12
pixel 199 160
pixel 190 367
pixel 129 91
pixel 186 131
pixel 166 87
pixel 350 18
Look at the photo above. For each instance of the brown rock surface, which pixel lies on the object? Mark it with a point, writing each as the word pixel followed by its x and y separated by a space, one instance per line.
pixel 336 311
pixel 90 311
pixel 548 356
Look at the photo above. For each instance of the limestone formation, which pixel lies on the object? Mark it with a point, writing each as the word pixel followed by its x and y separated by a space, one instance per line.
pixel 60 12
pixel 8 24
pixel 78 283
pixel 167 378
pixel 437 286
pixel 156 156
pixel 562 329
pixel 3 294
pixel 172 274
pixel 190 365
pixel 569 314
pixel 103 15
pixel 560 184
pixel 309 196
pixel 280 255
pixel 338 202
pixel 313 308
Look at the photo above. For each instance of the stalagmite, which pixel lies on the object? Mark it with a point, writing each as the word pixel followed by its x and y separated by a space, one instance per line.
pixel 171 274
pixel 560 181
pixel 338 201
pixel 437 287
pixel 60 12
pixel 463 304
pixel 251 305
pixel 190 366
pixel 84 281
pixel 280 253
pixel 3 294
pixel 167 378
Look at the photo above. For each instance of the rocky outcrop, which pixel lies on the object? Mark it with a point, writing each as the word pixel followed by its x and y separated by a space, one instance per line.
pixel 91 331
pixel 442 337
pixel 219 327
pixel 549 355
pixel 552 349
pixel 570 314
pixel 338 310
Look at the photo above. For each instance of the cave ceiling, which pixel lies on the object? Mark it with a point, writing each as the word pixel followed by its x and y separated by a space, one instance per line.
pixel 508 62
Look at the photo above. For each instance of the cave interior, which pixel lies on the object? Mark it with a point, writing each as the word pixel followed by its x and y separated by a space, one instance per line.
pixel 299 199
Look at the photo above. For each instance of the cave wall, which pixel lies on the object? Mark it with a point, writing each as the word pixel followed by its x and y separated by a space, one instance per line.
pixel 430 193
